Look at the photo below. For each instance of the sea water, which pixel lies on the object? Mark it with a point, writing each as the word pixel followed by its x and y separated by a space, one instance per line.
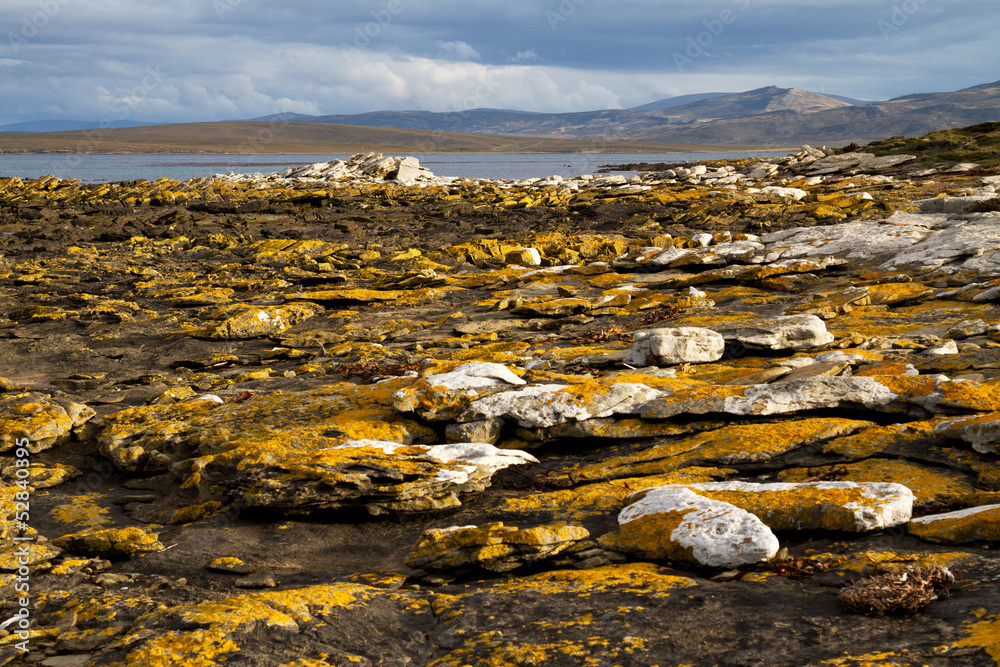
pixel 110 168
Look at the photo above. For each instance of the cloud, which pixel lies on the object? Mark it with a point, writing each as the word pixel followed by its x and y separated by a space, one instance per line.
pixel 92 58
pixel 458 50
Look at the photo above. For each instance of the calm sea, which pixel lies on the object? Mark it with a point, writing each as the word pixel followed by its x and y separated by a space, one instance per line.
pixel 109 168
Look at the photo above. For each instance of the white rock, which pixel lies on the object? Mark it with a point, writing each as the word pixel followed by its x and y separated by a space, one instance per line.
pixel 483 459
pixel 860 241
pixel 790 332
pixel 702 240
pixel 608 181
pixel 762 170
pixel 485 456
pixel 670 255
pixel 542 406
pixel 946 348
pixel 715 533
pixel 980 431
pixel 791 193
pixel 475 375
pixel 678 345
pixel 811 393
pixel 850 506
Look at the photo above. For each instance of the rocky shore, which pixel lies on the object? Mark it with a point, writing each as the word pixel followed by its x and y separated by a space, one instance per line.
pixel 737 413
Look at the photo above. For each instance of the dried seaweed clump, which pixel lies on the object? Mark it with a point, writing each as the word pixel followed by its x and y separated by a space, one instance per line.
pixel 904 592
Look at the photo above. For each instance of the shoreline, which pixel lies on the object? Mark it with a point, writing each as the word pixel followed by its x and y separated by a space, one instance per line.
pixel 282 414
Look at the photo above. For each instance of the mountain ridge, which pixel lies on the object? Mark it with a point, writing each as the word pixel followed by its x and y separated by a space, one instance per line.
pixel 765 116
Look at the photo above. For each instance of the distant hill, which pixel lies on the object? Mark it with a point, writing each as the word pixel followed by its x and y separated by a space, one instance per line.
pixel 33 126
pixel 679 100
pixel 310 138
pixel 682 100
pixel 769 116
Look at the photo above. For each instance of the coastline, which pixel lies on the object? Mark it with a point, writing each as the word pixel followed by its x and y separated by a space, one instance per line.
pixel 262 408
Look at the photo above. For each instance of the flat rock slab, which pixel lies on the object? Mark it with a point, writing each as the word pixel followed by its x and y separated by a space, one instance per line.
pixel 980 431
pixel 493 547
pixel 976 524
pixel 542 406
pixel 839 506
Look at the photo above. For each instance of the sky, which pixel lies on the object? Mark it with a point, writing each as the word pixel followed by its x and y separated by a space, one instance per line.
pixel 209 60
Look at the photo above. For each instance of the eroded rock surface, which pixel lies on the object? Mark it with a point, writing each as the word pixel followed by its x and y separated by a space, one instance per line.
pixel 286 419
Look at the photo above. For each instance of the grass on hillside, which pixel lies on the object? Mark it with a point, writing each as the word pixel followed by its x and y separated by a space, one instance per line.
pixel 978 143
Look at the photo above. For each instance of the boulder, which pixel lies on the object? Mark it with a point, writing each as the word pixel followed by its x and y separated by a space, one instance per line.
pixel 677 524
pixel 790 332
pixel 787 193
pixel 524 257
pixel 676 346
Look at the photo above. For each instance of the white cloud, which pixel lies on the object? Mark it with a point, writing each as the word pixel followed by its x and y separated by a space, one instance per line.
pixel 458 50
pixel 522 56
pixel 91 58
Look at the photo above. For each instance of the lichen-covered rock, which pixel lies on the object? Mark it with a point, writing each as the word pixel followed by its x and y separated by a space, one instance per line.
pixel 216 632
pixel 674 523
pixel 797 395
pixel 39 419
pixel 40 475
pixel 297 452
pixel 839 506
pixel 980 431
pixel 975 524
pixel 158 437
pixel 335 446
pixel 790 332
pixel 14 556
pixel 10 527
pixel 494 546
pixel 259 322
pixel 541 406
pixel 445 395
pixel 676 346
pixel 110 543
